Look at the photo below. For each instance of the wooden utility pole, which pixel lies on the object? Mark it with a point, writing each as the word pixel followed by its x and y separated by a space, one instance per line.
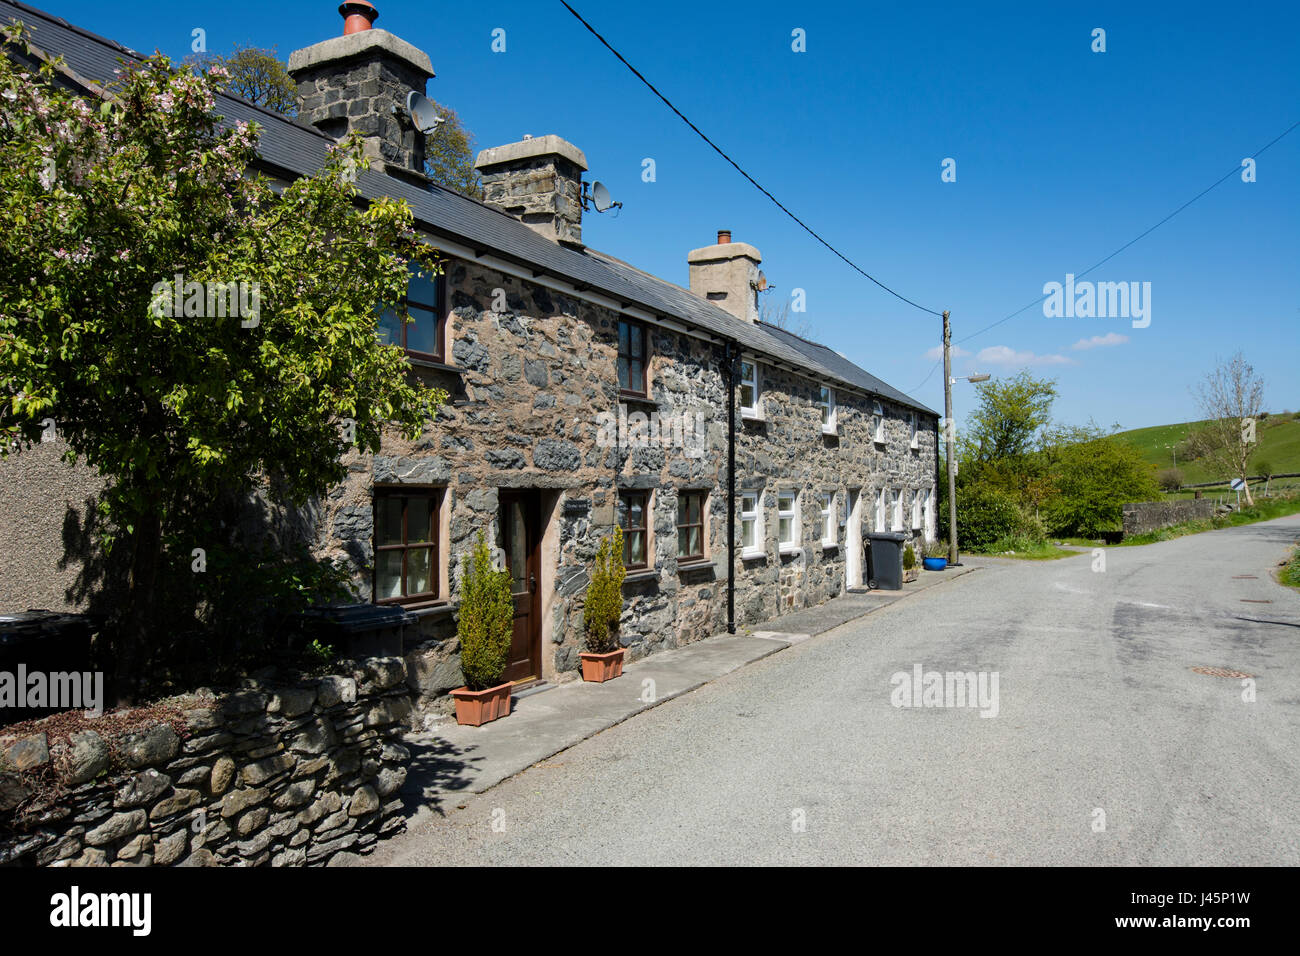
pixel 950 432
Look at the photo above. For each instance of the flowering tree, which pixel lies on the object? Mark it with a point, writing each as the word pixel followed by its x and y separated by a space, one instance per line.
pixel 186 328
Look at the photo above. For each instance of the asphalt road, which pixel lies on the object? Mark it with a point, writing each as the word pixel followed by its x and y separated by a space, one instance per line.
pixel 801 758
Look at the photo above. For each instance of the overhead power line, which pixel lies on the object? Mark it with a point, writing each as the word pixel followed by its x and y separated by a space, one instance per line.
pixel 1142 235
pixel 667 102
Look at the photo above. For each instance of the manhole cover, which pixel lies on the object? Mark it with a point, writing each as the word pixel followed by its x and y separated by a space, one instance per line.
pixel 1254 601
pixel 1221 672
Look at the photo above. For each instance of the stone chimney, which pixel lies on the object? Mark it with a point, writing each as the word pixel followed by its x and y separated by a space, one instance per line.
pixel 537 180
pixel 727 275
pixel 360 81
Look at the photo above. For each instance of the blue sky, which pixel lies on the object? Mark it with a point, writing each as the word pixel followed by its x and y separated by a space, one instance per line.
pixel 1062 155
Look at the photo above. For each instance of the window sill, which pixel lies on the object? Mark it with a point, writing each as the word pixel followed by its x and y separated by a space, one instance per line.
pixel 434 364
pixel 421 605
pixel 751 415
pixel 752 555
pixel 830 545
pixel 438 609
pixel 830 430
pixel 696 564
pixel 790 549
pixel 636 398
pixel 641 575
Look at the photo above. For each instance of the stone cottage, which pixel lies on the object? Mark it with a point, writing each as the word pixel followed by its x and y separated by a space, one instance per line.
pixel 743 462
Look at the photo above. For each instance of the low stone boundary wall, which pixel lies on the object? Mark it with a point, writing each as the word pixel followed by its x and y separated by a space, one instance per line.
pixel 1141 517
pixel 281 775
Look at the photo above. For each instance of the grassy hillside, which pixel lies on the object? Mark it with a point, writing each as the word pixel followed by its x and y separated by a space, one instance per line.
pixel 1278 436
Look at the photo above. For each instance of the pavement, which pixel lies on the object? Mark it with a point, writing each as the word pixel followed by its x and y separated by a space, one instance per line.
pixel 1105 746
pixel 451 761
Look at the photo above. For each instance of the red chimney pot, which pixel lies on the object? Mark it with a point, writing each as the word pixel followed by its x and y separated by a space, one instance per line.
pixel 357 15
pixel 724 236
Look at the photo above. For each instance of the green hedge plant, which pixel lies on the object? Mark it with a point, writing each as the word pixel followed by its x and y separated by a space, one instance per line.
pixel 604 605
pixel 487 619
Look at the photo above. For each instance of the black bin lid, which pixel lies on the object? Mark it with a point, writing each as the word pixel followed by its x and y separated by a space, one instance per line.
pixel 886 536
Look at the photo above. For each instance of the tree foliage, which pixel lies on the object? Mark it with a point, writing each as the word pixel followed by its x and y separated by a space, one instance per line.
pixel 256 74
pixel 105 203
pixel 1096 478
pixel 1009 417
pixel 1024 476
pixel 449 155
pixel 485 623
pixel 1231 396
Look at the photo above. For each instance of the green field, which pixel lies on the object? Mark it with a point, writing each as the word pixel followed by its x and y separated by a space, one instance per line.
pixel 1278 437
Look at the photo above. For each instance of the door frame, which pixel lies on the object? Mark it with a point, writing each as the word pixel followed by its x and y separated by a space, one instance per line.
pixel 532 511
pixel 854 559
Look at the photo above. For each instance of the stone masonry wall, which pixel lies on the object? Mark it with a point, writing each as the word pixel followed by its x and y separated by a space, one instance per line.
pixel 535 381
pixel 281 775
pixel 1141 517
pixel 787 449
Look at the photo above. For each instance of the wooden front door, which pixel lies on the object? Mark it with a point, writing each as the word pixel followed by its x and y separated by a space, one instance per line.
pixel 521 540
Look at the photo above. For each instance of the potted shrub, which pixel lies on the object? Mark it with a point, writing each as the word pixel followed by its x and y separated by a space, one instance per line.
pixel 936 556
pixel 485 627
pixel 603 658
pixel 910 571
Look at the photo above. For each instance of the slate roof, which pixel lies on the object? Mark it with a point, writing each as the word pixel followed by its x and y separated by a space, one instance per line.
pixel 843 368
pixel 298 149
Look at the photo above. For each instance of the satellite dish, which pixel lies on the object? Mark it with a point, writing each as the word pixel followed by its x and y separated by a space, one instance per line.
pixel 422 112
pixel 601 199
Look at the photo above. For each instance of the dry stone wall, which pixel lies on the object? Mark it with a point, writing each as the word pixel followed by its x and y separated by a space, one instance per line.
pixel 1144 516
pixel 287 775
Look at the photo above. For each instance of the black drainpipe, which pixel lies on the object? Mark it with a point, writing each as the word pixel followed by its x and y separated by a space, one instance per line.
pixel 731 487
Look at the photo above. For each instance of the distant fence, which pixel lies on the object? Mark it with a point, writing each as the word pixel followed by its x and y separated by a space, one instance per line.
pixel 1143 516
pixel 1227 481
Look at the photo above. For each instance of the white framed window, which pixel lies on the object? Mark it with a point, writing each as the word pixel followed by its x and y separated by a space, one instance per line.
pixel 787 515
pixel 751 524
pixel 750 406
pixel 878 522
pixel 877 423
pixel 826 402
pixel 916 508
pixel 898 510
pixel 915 436
pixel 931 516
pixel 827 531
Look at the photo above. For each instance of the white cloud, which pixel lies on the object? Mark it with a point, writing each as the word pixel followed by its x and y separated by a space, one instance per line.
pixel 1098 341
pixel 1009 357
pixel 936 353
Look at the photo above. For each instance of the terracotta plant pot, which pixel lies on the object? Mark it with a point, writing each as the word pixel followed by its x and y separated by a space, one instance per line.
pixel 599 668
pixel 477 707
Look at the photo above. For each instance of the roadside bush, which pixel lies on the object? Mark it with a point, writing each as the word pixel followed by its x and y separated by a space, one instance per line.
pixel 1096 478
pixel 1169 479
pixel 1019 543
pixel 983 516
